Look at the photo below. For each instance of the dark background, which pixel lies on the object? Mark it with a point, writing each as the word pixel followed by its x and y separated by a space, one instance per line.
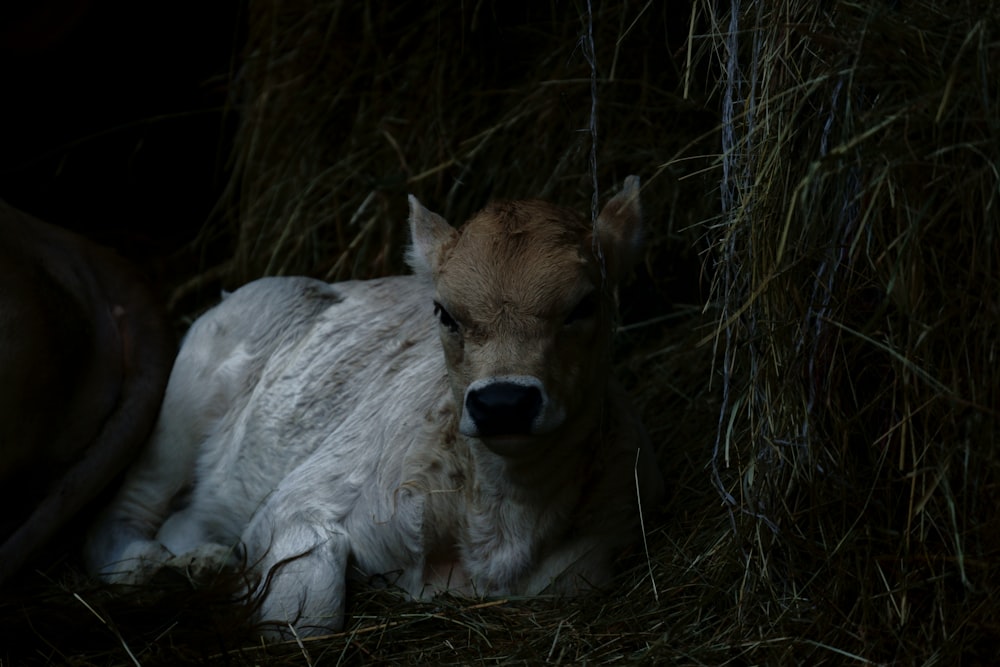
pixel 113 116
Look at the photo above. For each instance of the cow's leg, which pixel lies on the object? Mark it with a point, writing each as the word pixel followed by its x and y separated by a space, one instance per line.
pixel 121 546
pixel 210 370
pixel 301 551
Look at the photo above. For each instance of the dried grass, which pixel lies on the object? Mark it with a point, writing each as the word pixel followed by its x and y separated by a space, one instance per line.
pixel 825 409
pixel 858 284
pixel 347 108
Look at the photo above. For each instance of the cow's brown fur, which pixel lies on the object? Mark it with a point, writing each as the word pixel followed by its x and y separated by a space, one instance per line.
pixel 85 352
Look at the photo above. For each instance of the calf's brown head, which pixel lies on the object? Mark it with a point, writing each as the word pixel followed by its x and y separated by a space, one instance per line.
pixel 526 297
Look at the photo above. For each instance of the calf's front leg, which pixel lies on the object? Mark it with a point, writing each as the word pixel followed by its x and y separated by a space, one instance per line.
pixel 302 557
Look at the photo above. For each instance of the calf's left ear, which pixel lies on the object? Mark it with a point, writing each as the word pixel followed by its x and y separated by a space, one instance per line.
pixel 430 235
pixel 619 230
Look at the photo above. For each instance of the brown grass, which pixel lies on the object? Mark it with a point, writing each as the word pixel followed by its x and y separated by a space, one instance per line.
pixel 858 286
pixel 812 338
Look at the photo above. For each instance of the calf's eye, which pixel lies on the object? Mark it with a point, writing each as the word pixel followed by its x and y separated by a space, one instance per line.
pixel 583 310
pixel 446 319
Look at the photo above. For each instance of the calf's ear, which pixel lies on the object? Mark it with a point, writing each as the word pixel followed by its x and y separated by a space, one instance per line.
pixel 430 235
pixel 619 230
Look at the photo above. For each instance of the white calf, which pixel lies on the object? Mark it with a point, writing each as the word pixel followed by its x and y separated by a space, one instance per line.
pixel 307 426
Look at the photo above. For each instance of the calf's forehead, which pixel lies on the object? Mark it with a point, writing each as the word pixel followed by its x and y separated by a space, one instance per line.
pixel 528 254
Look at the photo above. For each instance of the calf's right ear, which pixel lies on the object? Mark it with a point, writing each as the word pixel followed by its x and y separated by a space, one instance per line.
pixel 619 230
pixel 430 237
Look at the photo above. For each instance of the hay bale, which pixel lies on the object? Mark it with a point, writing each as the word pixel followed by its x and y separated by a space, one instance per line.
pixel 345 108
pixel 857 275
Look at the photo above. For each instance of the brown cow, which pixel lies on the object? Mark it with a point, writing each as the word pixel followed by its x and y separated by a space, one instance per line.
pixel 85 354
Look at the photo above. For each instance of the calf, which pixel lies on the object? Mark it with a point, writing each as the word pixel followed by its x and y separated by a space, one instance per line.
pixel 85 354
pixel 457 429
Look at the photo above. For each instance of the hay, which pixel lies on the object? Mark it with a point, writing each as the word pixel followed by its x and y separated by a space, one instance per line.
pixel 858 281
pixel 347 108
pixel 812 339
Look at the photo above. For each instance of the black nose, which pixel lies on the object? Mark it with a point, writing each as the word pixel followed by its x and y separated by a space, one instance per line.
pixel 504 408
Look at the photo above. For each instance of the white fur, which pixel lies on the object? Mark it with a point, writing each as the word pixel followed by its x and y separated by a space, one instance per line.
pixel 314 428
